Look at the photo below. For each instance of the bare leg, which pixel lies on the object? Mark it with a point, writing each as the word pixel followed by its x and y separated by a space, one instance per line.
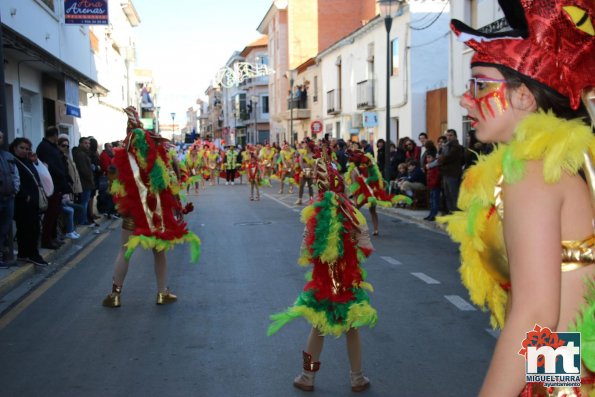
pixel 160 270
pixel 374 216
pixel 121 266
pixel 305 380
pixel 354 350
pixel 315 344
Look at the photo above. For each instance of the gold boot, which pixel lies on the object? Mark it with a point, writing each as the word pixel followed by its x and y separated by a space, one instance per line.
pixel 305 380
pixel 165 297
pixel 113 299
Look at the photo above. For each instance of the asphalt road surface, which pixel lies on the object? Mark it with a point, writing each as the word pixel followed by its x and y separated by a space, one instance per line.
pixel 60 341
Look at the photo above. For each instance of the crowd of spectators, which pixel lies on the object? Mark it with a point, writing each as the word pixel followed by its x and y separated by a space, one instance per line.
pixel 49 192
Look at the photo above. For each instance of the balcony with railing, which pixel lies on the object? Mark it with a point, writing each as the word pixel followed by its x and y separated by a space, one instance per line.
pixel 365 95
pixel 333 102
pixel 300 108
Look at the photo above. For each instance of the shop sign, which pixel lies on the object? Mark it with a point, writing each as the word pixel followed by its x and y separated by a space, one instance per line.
pixel 86 12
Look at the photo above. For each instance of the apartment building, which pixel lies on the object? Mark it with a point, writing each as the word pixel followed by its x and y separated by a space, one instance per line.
pixel 347 82
pixel 298 30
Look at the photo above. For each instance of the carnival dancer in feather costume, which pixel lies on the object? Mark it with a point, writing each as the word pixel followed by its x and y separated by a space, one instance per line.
pixel 525 223
pixel 335 300
pixel 145 194
pixel 367 187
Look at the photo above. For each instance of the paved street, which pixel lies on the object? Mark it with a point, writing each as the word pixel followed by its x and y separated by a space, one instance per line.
pixel 213 341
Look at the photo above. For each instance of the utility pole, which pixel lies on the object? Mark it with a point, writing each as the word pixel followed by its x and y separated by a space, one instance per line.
pixel 3 114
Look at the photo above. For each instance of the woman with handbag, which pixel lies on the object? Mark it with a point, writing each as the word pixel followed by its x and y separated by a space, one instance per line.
pixel 27 204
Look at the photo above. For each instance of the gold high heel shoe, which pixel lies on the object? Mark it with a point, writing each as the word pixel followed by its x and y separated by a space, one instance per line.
pixel 113 299
pixel 165 297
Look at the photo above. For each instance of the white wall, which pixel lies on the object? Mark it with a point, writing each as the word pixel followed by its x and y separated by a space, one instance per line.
pixel 69 43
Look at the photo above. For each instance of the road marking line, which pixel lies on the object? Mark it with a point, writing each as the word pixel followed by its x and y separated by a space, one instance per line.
pixel 460 303
pixel 277 200
pixel 38 292
pixel 425 278
pixel 494 332
pixel 390 260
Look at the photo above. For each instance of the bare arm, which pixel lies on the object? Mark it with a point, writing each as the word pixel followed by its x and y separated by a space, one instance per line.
pixel 532 224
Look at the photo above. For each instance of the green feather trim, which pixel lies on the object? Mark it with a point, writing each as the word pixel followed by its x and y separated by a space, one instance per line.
pixel 150 242
pixel 327 317
pixel 308 276
pixel 157 177
pixel 474 210
pixel 512 168
pixel 141 145
pixel 585 324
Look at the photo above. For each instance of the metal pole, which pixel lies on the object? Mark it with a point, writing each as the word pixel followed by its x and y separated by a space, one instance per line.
pixel 291 112
pixel 3 114
pixel 388 21
pixel 255 108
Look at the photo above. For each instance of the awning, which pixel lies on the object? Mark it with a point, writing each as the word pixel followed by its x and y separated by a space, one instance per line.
pixel 20 48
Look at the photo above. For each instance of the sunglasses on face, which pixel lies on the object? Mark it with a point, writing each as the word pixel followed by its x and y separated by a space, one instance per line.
pixel 481 86
pixel 64 145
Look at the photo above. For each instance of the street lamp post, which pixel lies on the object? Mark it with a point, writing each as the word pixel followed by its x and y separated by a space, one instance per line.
pixel 157 108
pixel 387 10
pixel 291 76
pixel 254 101
pixel 173 117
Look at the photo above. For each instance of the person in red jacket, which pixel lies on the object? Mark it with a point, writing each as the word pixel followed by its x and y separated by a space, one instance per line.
pixel 433 185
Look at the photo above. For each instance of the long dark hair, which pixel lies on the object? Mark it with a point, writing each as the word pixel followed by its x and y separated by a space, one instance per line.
pixel 545 97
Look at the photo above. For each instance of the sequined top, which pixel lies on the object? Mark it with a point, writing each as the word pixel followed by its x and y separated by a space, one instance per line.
pixel 575 254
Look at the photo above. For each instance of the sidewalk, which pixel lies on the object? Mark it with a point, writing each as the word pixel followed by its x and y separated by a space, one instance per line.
pixel 16 276
pixel 413 215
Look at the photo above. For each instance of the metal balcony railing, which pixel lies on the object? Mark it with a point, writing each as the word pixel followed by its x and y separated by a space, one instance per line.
pixel 365 94
pixel 333 102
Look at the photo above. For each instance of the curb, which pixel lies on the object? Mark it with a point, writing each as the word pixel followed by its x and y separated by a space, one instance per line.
pixel 15 278
pixel 27 270
pixel 400 214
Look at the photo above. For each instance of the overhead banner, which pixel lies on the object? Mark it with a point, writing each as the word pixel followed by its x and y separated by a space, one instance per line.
pixel 86 12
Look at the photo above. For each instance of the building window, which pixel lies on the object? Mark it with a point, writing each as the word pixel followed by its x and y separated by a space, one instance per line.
pixel 265 104
pixel 394 59
pixel 49 4
pixel 315 89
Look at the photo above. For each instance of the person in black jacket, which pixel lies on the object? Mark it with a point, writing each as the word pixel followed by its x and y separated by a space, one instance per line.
pixel 49 153
pixel 26 209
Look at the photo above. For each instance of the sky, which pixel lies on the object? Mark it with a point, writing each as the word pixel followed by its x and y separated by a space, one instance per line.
pixel 185 42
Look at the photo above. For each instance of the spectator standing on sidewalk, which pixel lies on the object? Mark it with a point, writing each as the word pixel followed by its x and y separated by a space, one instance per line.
pixel 80 214
pixel 433 185
pixel 82 160
pixel 49 153
pixel 451 168
pixel 105 203
pixel 26 211
pixel 9 186
pixel 94 156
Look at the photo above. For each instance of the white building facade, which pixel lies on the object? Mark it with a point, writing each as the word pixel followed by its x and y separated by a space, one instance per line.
pixel 354 75
pixel 57 74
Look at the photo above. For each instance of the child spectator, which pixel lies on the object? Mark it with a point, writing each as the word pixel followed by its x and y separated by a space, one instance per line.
pixel 433 185
pixel 254 177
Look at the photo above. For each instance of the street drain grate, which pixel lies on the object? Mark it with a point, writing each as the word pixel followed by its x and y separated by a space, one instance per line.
pixel 253 223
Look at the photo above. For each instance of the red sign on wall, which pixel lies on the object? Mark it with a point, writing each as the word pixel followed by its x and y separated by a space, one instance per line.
pixel 316 127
